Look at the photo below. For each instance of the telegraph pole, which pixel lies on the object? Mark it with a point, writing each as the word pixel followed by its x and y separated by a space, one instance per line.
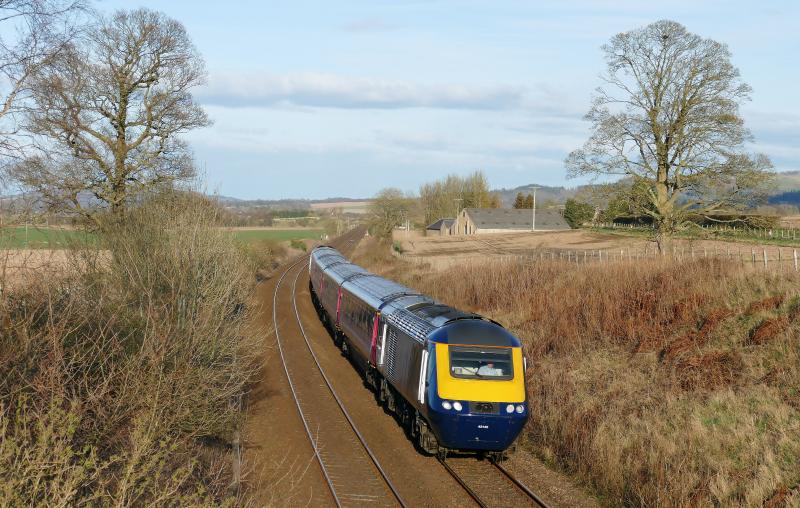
pixel 533 221
pixel 458 211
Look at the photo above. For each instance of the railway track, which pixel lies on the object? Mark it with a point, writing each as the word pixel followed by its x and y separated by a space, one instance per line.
pixel 353 474
pixel 487 483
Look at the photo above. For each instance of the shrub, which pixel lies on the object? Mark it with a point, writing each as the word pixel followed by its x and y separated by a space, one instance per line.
pixel 577 213
pixel 298 244
pixel 121 379
pixel 658 383
pixel 265 255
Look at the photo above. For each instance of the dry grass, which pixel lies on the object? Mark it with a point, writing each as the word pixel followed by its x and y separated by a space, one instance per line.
pixel 122 376
pixel 658 384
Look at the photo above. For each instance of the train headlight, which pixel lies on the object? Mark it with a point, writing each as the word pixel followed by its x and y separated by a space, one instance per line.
pixel 520 408
pixel 510 408
pixel 446 404
pixel 457 406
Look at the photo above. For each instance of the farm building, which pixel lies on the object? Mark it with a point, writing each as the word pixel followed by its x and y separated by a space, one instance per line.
pixel 472 221
pixel 440 227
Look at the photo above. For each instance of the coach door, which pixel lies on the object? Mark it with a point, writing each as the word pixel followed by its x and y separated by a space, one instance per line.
pixel 376 331
pixel 380 336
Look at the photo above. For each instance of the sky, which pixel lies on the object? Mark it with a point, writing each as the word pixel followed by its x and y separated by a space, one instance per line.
pixel 343 98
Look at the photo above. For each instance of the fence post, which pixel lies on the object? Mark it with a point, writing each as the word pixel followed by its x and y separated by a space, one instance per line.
pixel 765 258
pixel 795 259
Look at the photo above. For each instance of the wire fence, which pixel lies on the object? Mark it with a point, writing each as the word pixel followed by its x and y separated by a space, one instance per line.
pixel 723 230
pixel 761 258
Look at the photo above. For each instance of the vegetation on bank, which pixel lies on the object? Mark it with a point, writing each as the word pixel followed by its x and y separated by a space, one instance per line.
pixel 122 379
pixel 656 384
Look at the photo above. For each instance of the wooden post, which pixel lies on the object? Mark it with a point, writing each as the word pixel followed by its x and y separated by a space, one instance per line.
pixel 795 259
pixel 765 257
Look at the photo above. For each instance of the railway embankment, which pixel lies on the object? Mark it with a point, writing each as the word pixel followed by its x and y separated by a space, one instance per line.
pixel 653 382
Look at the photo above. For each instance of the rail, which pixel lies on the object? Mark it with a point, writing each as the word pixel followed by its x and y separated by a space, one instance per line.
pixel 339 400
pixel 526 492
pixel 317 452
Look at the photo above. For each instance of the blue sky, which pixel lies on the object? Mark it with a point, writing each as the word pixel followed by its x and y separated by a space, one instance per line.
pixel 342 98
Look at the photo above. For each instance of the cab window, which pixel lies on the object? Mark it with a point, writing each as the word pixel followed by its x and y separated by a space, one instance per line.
pixel 481 363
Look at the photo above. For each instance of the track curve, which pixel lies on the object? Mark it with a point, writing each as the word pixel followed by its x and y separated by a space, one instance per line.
pixel 353 475
pixel 342 450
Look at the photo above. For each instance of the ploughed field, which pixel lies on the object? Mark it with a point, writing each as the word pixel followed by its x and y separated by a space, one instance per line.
pixel 654 381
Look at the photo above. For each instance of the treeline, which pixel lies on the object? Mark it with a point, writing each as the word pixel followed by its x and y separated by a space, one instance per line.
pixel 264 217
pixel 440 199
pixel 443 198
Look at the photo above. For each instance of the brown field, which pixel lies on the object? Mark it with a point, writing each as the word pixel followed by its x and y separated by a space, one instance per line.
pixel 346 206
pixel 790 221
pixel 445 251
pixel 655 383
pixel 18 266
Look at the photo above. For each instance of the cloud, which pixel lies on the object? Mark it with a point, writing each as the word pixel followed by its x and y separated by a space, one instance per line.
pixel 369 25
pixel 333 91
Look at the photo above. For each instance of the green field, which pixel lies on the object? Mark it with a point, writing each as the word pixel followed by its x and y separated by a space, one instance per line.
pixel 253 235
pixel 32 237
pixel 20 237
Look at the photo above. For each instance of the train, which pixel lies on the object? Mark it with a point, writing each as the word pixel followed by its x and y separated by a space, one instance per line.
pixel 455 380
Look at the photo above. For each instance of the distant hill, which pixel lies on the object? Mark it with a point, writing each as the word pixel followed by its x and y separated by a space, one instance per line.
pixel 788 189
pixel 543 193
pixel 285 204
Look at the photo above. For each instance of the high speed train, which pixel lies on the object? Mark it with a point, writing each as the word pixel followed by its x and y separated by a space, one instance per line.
pixel 455 380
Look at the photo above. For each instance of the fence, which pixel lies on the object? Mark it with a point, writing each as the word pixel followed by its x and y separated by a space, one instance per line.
pixel 766 258
pixel 787 234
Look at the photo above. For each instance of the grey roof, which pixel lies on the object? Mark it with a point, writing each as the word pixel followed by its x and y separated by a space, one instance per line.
pixel 438 224
pixel 504 218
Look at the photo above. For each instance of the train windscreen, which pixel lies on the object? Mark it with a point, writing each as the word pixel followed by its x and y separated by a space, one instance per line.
pixel 481 363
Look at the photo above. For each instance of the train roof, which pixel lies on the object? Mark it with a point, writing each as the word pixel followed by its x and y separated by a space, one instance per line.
pixel 418 315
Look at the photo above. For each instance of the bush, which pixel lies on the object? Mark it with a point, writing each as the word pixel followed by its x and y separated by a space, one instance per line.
pixel 265 255
pixel 298 244
pixel 121 380
pixel 577 213
pixel 658 383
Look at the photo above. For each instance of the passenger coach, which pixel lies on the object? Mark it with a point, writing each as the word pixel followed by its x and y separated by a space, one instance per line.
pixel 456 380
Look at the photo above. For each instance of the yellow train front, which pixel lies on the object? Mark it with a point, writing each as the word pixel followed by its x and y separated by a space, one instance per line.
pixel 476 386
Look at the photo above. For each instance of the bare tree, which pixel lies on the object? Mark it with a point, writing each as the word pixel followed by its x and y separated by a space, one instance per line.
pixel 389 208
pixel 109 111
pixel 668 118
pixel 32 33
pixel 443 198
